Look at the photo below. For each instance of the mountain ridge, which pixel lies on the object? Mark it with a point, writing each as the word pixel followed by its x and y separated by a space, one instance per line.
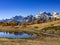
pixel 41 16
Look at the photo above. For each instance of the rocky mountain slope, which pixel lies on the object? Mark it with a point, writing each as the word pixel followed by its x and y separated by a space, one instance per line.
pixel 41 16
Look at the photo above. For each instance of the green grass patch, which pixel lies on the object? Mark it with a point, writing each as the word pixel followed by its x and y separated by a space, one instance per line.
pixel 51 27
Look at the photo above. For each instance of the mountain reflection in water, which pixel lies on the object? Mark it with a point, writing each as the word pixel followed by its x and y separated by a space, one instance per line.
pixel 16 35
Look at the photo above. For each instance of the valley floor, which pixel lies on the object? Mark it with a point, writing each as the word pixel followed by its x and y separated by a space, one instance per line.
pixel 39 40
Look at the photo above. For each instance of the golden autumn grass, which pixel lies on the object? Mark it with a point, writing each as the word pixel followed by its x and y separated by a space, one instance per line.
pixel 39 40
pixel 29 28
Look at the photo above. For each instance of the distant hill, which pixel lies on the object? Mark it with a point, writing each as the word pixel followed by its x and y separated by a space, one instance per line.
pixel 42 16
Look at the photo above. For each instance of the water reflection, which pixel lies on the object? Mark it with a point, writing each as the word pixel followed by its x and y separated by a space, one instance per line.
pixel 16 35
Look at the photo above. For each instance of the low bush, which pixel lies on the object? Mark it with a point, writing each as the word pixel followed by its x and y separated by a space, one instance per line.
pixel 51 27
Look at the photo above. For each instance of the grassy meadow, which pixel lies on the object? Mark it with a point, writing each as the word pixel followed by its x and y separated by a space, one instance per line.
pixel 41 39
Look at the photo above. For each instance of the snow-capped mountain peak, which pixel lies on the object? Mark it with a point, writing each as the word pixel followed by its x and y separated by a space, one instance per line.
pixel 41 16
pixel 42 12
pixel 56 14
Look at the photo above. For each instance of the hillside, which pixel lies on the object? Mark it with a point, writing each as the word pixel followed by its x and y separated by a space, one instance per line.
pixel 30 28
pixel 49 37
pixel 48 33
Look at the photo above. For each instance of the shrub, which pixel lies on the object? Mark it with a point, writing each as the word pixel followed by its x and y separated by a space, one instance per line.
pixel 4 24
pixel 12 23
pixel 31 23
pixel 52 27
pixel 37 21
pixel 35 27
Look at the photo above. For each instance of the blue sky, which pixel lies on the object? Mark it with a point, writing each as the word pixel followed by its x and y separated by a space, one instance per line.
pixel 10 8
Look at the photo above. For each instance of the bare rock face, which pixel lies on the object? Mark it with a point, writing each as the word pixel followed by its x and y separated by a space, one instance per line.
pixel 42 16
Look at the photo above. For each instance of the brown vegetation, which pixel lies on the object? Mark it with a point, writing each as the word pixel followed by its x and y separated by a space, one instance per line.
pixel 8 23
pixel 32 27
pixel 37 21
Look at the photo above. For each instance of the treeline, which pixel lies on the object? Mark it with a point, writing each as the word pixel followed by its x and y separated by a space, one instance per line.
pixel 37 21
